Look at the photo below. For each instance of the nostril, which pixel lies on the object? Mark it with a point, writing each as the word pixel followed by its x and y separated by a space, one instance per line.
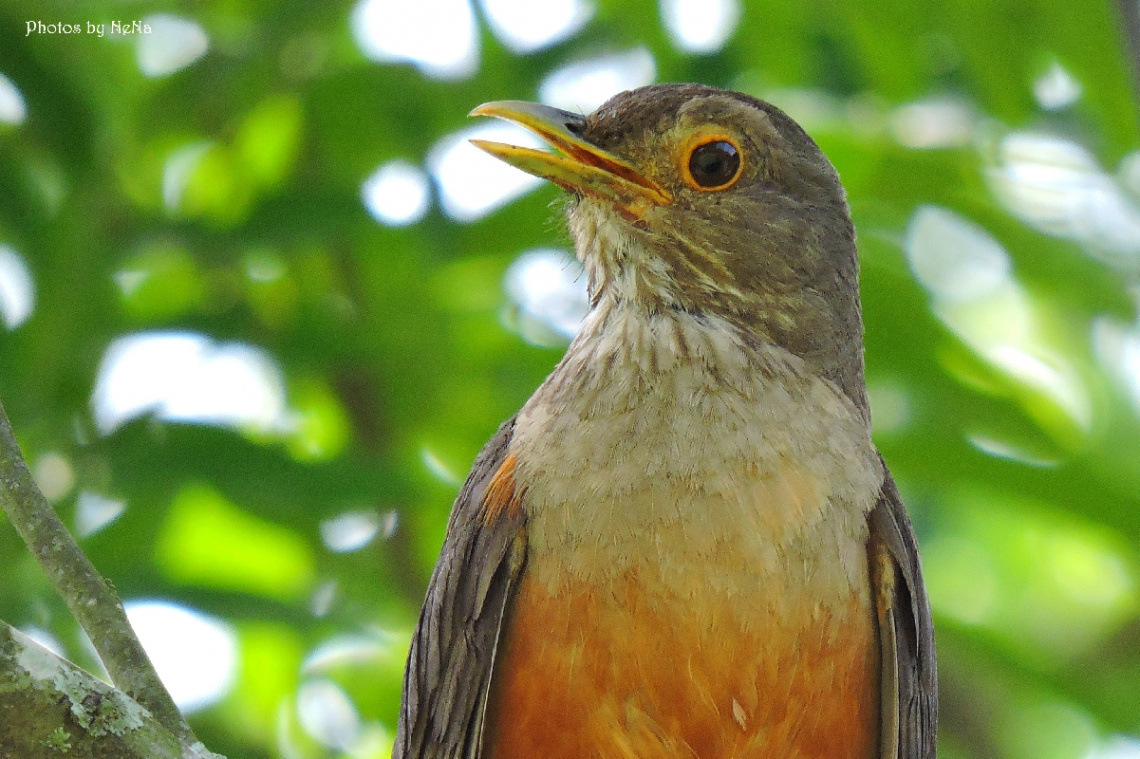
pixel 574 127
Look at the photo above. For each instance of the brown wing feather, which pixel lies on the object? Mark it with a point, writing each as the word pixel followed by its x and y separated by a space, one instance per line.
pixel 910 712
pixel 453 648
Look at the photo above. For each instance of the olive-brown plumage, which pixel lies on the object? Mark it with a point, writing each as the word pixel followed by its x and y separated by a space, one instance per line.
pixel 685 543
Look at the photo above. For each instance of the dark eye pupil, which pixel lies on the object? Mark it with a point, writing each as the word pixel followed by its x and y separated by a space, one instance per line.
pixel 714 163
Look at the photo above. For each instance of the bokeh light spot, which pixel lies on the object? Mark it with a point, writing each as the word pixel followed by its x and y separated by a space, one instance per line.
pixel 172 44
pixel 438 468
pixel 94 511
pixel 54 475
pixel 17 292
pixel 1055 185
pixel 1116 747
pixel 12 108
pixel 439 37
pixel 183 376
pixel 195 655
pixel 323 598
pixel 954 260
pixel 528 25
pixel 350 531
pixel 1010 450
pixel 354 650
pixel 472 183
pixel 700 26
pixel 582 86
pixel 548 289
pixel 1056 88
pixel 397 194
pixel 933 123
pixel 327 714
pixel 1047 371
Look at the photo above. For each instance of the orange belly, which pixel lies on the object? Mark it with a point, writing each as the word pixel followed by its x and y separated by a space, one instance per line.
pixel 621 674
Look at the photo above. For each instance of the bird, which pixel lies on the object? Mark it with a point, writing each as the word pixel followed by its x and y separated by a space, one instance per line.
pixel 684 544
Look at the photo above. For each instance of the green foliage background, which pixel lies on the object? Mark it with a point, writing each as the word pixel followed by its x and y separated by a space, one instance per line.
pixel 396 351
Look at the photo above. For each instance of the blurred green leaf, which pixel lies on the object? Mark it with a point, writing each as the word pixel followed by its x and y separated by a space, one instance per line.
pixel 269 139
pixel 206 540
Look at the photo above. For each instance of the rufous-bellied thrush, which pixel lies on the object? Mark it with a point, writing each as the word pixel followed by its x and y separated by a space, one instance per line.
pixel 685 544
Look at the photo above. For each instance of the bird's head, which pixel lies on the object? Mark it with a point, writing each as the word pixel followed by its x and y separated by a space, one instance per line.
pixel 709 202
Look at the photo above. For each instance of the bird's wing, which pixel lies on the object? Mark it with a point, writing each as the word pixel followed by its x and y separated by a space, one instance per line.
pixel 906 633
pixel 452 658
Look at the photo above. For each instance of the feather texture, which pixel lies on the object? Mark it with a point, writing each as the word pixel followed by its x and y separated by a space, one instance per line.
pixel 453 650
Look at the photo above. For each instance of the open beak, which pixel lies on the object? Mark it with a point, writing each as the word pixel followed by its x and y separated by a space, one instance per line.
pixel 581 166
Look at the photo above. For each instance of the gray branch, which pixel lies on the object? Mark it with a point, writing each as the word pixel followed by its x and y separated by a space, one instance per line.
pixel 1129 11
pixel 51 708
pixel 91 599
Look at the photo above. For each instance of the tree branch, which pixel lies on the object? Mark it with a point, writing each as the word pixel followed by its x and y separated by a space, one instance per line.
pixel 1130 26
pixel 51 708
pixel 91 599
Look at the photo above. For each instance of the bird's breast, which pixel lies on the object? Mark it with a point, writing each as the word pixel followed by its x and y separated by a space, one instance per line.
pixel 696 580
pixel 671 447
pixel 625 672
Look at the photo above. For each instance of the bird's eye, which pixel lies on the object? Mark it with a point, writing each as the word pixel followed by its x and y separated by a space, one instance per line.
pixel 713 165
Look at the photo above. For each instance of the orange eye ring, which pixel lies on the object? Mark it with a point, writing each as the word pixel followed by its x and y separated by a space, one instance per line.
pixel 711 162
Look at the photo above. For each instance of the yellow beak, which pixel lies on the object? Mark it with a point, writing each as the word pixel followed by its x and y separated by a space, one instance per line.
pixel 582 166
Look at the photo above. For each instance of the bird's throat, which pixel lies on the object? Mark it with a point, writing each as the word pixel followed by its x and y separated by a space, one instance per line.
pixel 667 438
